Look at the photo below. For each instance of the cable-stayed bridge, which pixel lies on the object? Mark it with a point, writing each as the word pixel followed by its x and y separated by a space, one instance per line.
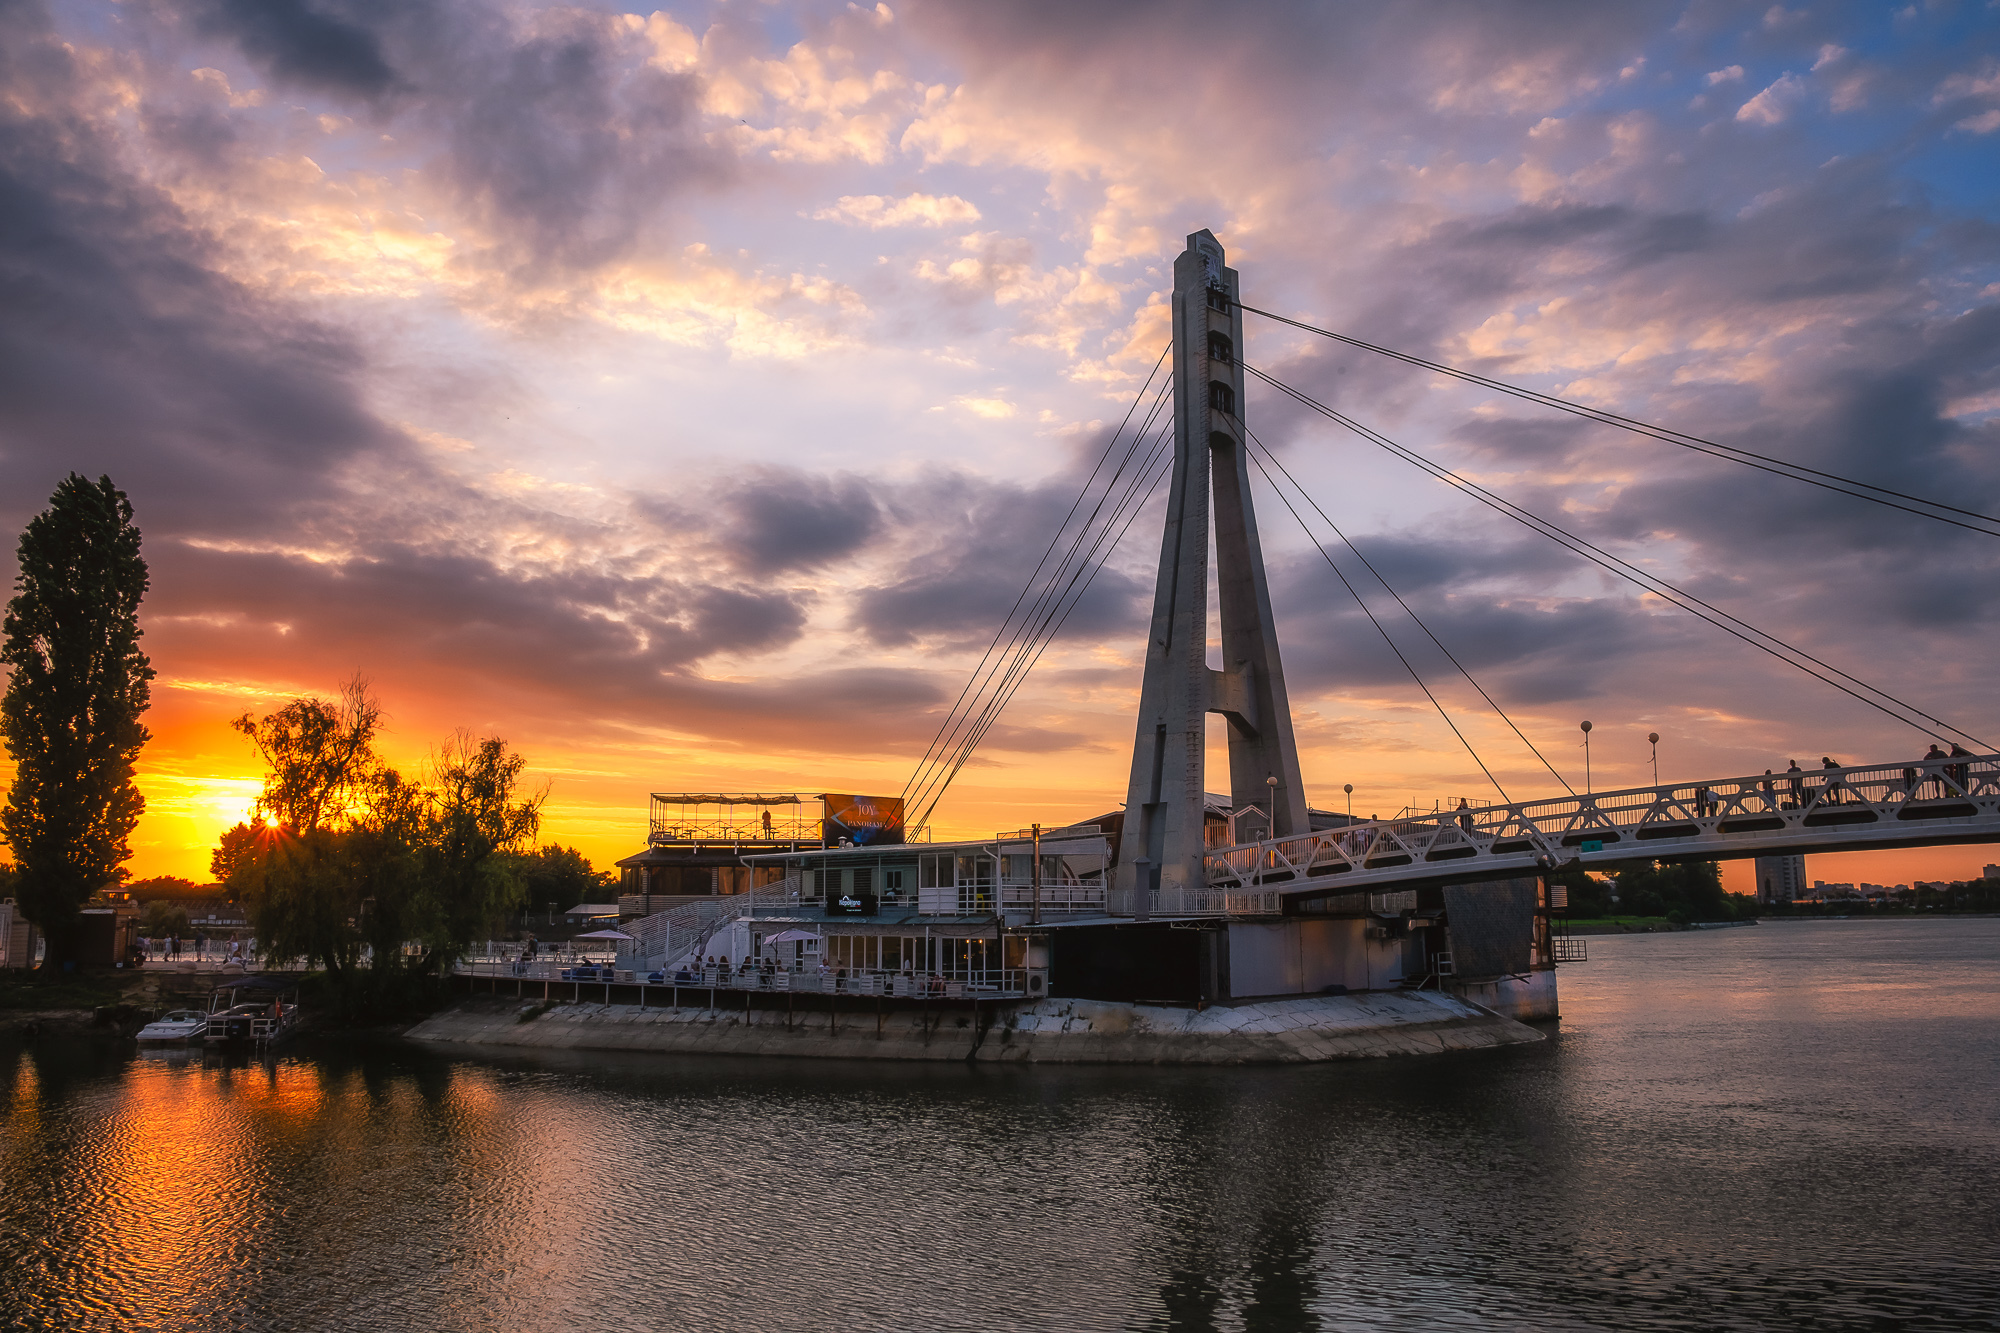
pixel 1188 430
pixel 1916 803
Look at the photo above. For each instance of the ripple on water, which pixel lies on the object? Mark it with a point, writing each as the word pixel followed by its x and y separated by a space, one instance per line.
pixel 1770 1128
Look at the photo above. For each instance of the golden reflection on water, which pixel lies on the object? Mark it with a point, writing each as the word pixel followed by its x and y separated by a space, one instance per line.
pixel 1754 1131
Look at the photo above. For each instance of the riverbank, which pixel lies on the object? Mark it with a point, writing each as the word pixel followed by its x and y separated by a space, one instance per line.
pixel 1281 1031
pixel 1641 925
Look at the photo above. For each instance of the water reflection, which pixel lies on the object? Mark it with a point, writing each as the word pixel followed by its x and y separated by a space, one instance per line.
pixel 1786 1126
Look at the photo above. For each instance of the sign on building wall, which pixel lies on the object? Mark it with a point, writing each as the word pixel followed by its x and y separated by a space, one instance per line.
pixel 865 821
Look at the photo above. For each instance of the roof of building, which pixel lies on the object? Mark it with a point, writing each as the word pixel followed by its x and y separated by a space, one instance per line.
pixel 593 909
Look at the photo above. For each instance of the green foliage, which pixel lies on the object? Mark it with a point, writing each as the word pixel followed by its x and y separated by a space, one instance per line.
pixel 318 756
pixel 163 886
pixel 160 918
pixel 298 902
pixel 1588 895
pixel 70 716
pixel 359 856
pixel 465 890
pixel 1690 891
pixel 557 878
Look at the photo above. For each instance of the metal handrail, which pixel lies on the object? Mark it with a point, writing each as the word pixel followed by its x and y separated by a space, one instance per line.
pixel 1641 820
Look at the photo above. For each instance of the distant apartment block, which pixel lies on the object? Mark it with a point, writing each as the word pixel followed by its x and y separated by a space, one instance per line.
pixel 1780 879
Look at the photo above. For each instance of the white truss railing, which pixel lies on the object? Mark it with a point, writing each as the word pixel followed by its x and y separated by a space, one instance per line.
pixel 1921 802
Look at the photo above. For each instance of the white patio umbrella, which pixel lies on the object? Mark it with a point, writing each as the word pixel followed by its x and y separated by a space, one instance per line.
pixel 605 935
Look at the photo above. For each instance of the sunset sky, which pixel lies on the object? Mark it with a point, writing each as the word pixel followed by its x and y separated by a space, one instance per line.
pixel 684 394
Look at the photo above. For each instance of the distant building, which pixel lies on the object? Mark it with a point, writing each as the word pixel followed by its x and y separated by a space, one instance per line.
pixel 19 940
pixel 1780 879
pixel 1990 872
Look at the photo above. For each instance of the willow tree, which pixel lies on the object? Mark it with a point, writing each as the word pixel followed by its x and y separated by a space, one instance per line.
pixel 290 866
pixel 466 884
pixel 70 716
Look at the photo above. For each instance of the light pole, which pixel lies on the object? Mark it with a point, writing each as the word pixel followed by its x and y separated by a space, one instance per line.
pixel 1653 739
pixel 1272 783
pixel 1348 787
pixel 1586 758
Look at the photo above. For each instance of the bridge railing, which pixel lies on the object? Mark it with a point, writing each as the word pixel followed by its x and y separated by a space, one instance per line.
pixel 1622 824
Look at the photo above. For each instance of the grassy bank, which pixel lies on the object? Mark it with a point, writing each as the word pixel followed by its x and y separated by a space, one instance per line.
pixel 83 991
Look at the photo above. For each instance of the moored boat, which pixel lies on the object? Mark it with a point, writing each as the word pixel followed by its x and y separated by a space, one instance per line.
pixel 259 1010
pixel 174 1027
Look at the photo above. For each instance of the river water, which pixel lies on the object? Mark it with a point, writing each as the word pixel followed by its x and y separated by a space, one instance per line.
pixel 1785 1126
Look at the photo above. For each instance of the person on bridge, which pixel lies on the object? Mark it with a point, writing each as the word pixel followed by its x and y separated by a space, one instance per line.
pixel 1798 783
pixel 1935 769
pixel 1464 815
pixel 1831 795
pixel 1961 773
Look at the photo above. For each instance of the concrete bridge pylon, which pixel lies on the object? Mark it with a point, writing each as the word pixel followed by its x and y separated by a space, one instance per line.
pixel 1165 805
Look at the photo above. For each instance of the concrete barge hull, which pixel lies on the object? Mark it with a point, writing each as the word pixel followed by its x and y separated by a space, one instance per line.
pixel 1282 1031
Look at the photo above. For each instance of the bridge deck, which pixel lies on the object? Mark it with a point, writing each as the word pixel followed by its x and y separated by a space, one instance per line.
pixel 1915 803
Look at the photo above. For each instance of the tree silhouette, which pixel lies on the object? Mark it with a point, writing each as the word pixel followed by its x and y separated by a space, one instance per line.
pixel 70 716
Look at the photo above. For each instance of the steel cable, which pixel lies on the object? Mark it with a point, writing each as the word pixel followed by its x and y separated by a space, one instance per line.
pixel 1777 467
pixel 1649 582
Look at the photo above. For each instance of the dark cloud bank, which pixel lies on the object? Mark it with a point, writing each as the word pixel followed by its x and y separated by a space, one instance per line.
pixel 233 418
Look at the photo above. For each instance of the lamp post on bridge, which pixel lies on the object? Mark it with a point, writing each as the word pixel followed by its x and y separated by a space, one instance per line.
pixel 1348 787
pixel 1653 739
pixel 1586 758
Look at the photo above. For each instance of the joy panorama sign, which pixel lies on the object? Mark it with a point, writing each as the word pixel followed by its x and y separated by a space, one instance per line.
pixel 865 821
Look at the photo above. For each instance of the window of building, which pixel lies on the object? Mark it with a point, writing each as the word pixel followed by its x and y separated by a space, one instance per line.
pixel 1222 398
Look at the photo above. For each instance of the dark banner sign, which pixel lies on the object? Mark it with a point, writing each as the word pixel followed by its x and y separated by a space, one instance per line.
pixel 865 821
pixel 850 904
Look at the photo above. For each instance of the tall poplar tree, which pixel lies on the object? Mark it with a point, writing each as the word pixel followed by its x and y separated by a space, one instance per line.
pixel 70 716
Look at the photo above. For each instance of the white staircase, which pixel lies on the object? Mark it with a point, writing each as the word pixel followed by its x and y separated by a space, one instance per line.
pixel 665 939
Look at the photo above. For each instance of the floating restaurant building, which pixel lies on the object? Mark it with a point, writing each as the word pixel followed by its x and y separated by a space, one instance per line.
pixel 1033 914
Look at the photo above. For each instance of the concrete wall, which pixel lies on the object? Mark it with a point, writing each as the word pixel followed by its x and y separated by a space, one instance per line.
pixel 1283 1031
pixel 1524 998
pixel 1305 956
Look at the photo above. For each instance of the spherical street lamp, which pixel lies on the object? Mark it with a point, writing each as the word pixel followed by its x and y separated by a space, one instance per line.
pixel 1586 758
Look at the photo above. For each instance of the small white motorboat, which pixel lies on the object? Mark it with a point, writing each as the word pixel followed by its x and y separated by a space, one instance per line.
pixel 178 1026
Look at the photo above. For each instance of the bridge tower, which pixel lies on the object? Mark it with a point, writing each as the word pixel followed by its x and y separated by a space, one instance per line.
pixel 1162 844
